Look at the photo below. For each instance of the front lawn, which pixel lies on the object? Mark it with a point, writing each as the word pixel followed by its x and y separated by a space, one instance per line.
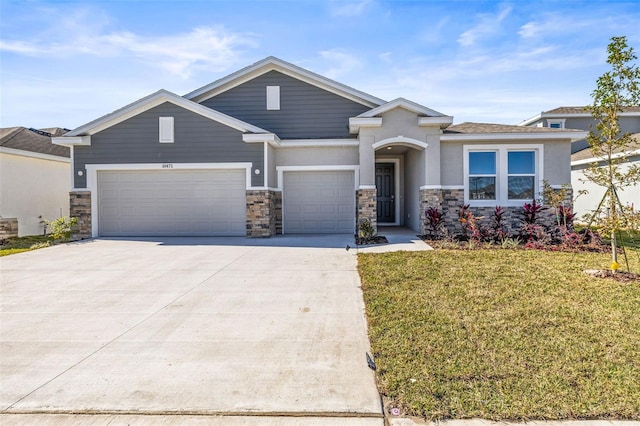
pixel 20 244
pixel 503 334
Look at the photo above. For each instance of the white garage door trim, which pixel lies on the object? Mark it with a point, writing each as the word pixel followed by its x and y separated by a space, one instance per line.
pixel 281 170
pixel 93 169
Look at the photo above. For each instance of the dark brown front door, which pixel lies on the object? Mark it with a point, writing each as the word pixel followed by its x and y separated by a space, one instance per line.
pixel 385 185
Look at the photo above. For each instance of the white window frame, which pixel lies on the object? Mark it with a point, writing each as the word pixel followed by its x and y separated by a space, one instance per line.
pixel 560 121
pixel 166 130
pixel 502 173
pixel 273 98
pixel 494 175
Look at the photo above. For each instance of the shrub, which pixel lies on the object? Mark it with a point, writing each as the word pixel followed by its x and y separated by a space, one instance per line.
pixel 499 231
pixel 366 230
pixel 435 221
pixel 531 212
pixel 60 228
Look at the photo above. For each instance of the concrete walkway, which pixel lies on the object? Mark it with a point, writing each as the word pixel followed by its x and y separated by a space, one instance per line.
pixel 229 331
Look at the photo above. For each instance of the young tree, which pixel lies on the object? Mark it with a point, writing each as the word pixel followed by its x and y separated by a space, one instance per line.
pixel 616 89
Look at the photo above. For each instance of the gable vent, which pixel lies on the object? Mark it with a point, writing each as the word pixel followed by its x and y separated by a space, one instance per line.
pixel 273 98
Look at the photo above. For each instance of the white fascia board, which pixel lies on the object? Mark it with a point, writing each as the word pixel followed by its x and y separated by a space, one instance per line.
pixel 598 160
pixel 443 122
pixel 282 169
pixel 402 103
pixel 355 123
pixel 573 136
pixel 531 120
pixel 308 143
pixel 275 64
pixel 270 138
pixel 72 140
pixel 30 154
pixel 154 100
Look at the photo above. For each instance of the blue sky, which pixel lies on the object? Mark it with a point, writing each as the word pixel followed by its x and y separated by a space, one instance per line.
pixel 64 63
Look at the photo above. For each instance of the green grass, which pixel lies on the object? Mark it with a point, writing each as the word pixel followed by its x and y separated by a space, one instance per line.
pixel 503 334
pixel 22 244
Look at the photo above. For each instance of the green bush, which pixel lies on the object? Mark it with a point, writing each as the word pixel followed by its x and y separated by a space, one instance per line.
pixel 60 228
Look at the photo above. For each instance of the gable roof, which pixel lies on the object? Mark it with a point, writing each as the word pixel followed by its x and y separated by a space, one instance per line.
pixel 272 63
pixel 148 102
pixel 402 103
pixel 487 131
pixel 574 111
pixel 586 154
pixel 31 140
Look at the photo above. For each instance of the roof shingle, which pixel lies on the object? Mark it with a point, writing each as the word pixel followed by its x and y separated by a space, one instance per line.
pixel 475 128
pixel 32 140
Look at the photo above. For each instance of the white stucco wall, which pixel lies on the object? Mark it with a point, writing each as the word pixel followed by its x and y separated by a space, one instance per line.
pixel 32 187
pixel 587 203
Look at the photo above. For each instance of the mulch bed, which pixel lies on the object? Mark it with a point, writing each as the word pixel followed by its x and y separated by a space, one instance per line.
pixel 377 239
pixel 621 276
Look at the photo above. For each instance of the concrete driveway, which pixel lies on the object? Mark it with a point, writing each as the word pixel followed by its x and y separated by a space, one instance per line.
pixel 229 328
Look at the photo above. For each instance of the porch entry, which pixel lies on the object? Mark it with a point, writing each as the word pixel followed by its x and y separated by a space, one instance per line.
pixel 386 197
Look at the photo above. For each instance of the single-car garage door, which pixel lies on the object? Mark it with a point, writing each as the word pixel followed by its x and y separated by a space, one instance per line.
pixel 319 202
pixel 172 203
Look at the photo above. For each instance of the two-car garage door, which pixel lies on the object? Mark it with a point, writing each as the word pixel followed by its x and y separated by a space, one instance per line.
pixel 172 202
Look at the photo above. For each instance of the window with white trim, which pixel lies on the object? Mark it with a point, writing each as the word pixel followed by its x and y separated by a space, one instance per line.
pixel 556 124
pixel 273 98
pixel 501 175
pixel 482 175
pixel 166 130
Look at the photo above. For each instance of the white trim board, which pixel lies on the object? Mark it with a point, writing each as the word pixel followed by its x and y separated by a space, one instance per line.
pixel 148 102
pixel 399 198
pixel 282 169
pixel 272 63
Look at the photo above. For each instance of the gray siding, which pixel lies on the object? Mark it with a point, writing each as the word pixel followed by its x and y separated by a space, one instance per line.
pixel 306 111
pixel 197 140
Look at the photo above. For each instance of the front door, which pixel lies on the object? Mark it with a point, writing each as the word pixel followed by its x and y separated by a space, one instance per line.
pixel 385 185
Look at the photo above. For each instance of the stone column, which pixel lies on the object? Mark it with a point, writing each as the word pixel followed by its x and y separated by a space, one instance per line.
pixel 8 227
pixel 261 213
pixel 277 203
pixel 366 207
pixel 80 208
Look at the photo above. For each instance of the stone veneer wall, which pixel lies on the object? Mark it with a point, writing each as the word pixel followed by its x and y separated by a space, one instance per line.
pixel 8 227
pixel 80 207
pixel 450 200
pixel 261 213
pixel 366 205
pixel 277 200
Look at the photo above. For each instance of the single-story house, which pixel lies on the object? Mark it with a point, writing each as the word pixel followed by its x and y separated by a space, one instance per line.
pixel 579 117
pixel 34 180
pixel 275 148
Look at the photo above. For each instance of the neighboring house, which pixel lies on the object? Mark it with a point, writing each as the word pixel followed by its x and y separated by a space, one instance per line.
pixel 34 178
pixel 588 202
pixel 274 148
pixel 581 156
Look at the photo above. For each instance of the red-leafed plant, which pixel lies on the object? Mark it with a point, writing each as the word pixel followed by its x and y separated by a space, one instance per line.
pixel 435 221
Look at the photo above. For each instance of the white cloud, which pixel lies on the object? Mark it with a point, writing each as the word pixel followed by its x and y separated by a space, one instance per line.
pixel 204 48
pixel 487 24
pixel 349 8
pixel 341 63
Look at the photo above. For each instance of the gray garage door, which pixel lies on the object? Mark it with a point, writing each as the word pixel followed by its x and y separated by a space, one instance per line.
pixel 319 202
pixel 172 203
